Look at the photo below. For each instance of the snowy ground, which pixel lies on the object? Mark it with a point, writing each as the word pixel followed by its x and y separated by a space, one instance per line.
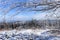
pixel 26 34
pixel 34 31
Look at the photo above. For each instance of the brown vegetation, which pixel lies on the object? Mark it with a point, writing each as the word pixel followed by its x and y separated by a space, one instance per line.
pixel 41 24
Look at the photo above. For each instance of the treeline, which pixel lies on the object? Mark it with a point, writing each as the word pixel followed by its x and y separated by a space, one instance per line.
pixel 42 24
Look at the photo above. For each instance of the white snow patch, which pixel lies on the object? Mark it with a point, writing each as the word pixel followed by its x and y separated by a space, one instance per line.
pixel 23 31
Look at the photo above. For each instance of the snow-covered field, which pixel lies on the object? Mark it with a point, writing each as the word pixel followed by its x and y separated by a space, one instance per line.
pixel 27 34
pixel 23 31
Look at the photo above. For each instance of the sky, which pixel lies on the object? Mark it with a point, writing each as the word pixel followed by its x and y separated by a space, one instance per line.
pixel 22 13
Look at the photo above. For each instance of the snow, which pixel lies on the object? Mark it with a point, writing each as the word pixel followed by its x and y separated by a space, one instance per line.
pixel 36 31
pixel 26 34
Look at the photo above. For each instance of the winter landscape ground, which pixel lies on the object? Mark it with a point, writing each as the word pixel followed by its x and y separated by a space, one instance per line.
pixel 29 34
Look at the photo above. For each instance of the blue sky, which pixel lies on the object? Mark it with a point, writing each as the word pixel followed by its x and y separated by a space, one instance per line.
pixel 22 15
